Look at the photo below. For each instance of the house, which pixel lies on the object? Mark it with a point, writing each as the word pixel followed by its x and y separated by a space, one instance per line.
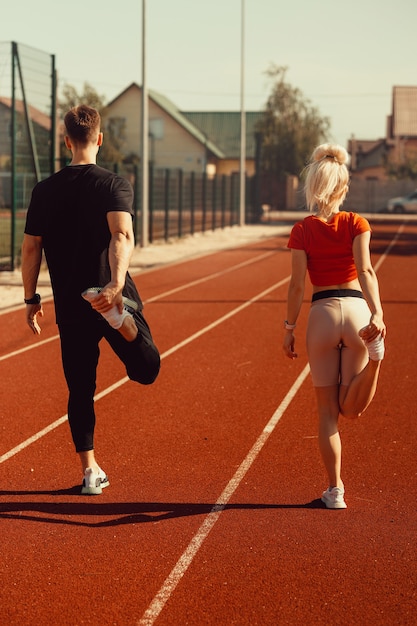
pixel 191 141
pixel 174 142
pixel 41 124
pixel 402 124
pixel 223 128
pixel 369 159
pixel 32 143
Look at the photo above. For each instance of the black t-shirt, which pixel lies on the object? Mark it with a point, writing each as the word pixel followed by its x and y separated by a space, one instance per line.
pixel 69 211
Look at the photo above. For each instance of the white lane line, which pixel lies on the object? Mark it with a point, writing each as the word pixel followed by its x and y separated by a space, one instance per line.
pixel 35 437
pixel 204 279
pixel 26 348
pixel 192 283
pixel 121 382
pixel 225 317
pixel 389 247
pixel 185 560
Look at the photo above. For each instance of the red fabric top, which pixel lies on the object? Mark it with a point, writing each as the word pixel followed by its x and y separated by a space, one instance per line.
pixel 328 246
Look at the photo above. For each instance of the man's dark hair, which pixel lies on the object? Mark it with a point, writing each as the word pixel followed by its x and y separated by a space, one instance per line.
pixel 82 124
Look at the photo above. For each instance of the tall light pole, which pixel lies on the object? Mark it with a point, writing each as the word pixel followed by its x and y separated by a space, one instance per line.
pixel 144 235
pixel 242 173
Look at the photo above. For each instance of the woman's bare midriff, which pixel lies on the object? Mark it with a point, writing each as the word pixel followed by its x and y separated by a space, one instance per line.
pixel 352 284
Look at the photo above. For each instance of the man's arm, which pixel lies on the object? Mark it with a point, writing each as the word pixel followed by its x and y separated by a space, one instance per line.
pixel 120 252
pixel 31 263
pixel 121 246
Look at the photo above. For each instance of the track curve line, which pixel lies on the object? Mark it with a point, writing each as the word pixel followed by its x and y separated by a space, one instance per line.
pixel 389 247
pixel 204 279
pixel 26 348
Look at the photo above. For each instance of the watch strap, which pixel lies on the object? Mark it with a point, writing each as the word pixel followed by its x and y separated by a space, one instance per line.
pixel 34 300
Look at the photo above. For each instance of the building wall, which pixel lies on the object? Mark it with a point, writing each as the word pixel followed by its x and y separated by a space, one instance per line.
pixel 402 148
pixel 370 173
pixel 232 166
pixel 371 196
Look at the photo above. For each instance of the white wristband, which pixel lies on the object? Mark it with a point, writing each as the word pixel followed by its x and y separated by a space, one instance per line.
pixel 288 326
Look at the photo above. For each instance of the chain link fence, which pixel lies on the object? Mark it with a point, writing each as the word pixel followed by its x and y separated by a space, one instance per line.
pixel 183 203
pixel 27 137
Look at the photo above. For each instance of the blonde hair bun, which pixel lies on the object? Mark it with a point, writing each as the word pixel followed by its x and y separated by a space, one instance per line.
pixel 330 151
pixel 327 179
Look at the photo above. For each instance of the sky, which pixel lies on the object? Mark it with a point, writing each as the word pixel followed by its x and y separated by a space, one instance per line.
pixel 344 57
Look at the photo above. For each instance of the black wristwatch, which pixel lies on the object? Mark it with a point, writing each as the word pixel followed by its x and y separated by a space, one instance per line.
pixel 35 300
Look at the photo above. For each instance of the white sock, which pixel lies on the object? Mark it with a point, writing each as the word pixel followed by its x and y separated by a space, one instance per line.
pixel 113 316
pixel 376 348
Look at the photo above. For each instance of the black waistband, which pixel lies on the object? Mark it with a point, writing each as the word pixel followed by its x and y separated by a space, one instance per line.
pixel 337 293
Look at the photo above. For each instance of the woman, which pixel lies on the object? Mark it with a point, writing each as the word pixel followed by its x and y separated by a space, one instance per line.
pixel 345 332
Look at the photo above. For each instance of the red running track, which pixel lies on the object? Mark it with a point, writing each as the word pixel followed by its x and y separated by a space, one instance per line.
pixel 213 513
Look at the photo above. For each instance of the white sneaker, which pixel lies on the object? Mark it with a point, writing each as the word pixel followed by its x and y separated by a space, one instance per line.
pixel 94 482
pixel 334 498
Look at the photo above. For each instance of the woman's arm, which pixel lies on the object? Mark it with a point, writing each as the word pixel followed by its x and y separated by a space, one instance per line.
pixel 369 285
pixel 295 298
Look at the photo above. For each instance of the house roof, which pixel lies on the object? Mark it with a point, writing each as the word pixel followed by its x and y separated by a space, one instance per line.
pixel 170 108
pixel 363 145
pixel 366 154
pixel 36 116
pixel 223 127
pixel 404 112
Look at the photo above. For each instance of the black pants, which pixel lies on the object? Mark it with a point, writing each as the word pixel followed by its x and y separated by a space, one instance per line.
pixel 80 353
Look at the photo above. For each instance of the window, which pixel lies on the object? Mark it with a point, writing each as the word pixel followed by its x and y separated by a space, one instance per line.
pixel 156 128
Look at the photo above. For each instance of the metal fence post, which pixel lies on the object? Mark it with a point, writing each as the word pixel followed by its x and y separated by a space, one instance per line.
pixel 232 199
pixel 213 203
pixel 135 201
pixel 13 178
pixel 151 201
pixel 204 201
pixel 166 205
pixel 180 195
pixel 223 200
pixel 192 202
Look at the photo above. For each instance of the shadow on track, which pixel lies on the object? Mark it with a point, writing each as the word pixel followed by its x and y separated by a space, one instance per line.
pixel 118 513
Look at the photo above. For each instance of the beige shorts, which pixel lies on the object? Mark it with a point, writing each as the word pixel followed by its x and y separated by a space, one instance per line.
pixel 336 353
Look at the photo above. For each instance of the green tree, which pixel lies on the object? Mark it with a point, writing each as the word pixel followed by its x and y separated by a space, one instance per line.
pixel 71 98
pixel 110 152
pixel 290 128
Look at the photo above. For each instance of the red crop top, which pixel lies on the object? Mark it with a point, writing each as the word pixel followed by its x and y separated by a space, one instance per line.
pixel 328 246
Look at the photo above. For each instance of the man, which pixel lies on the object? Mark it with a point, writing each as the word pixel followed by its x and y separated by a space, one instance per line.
pixel 81 217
